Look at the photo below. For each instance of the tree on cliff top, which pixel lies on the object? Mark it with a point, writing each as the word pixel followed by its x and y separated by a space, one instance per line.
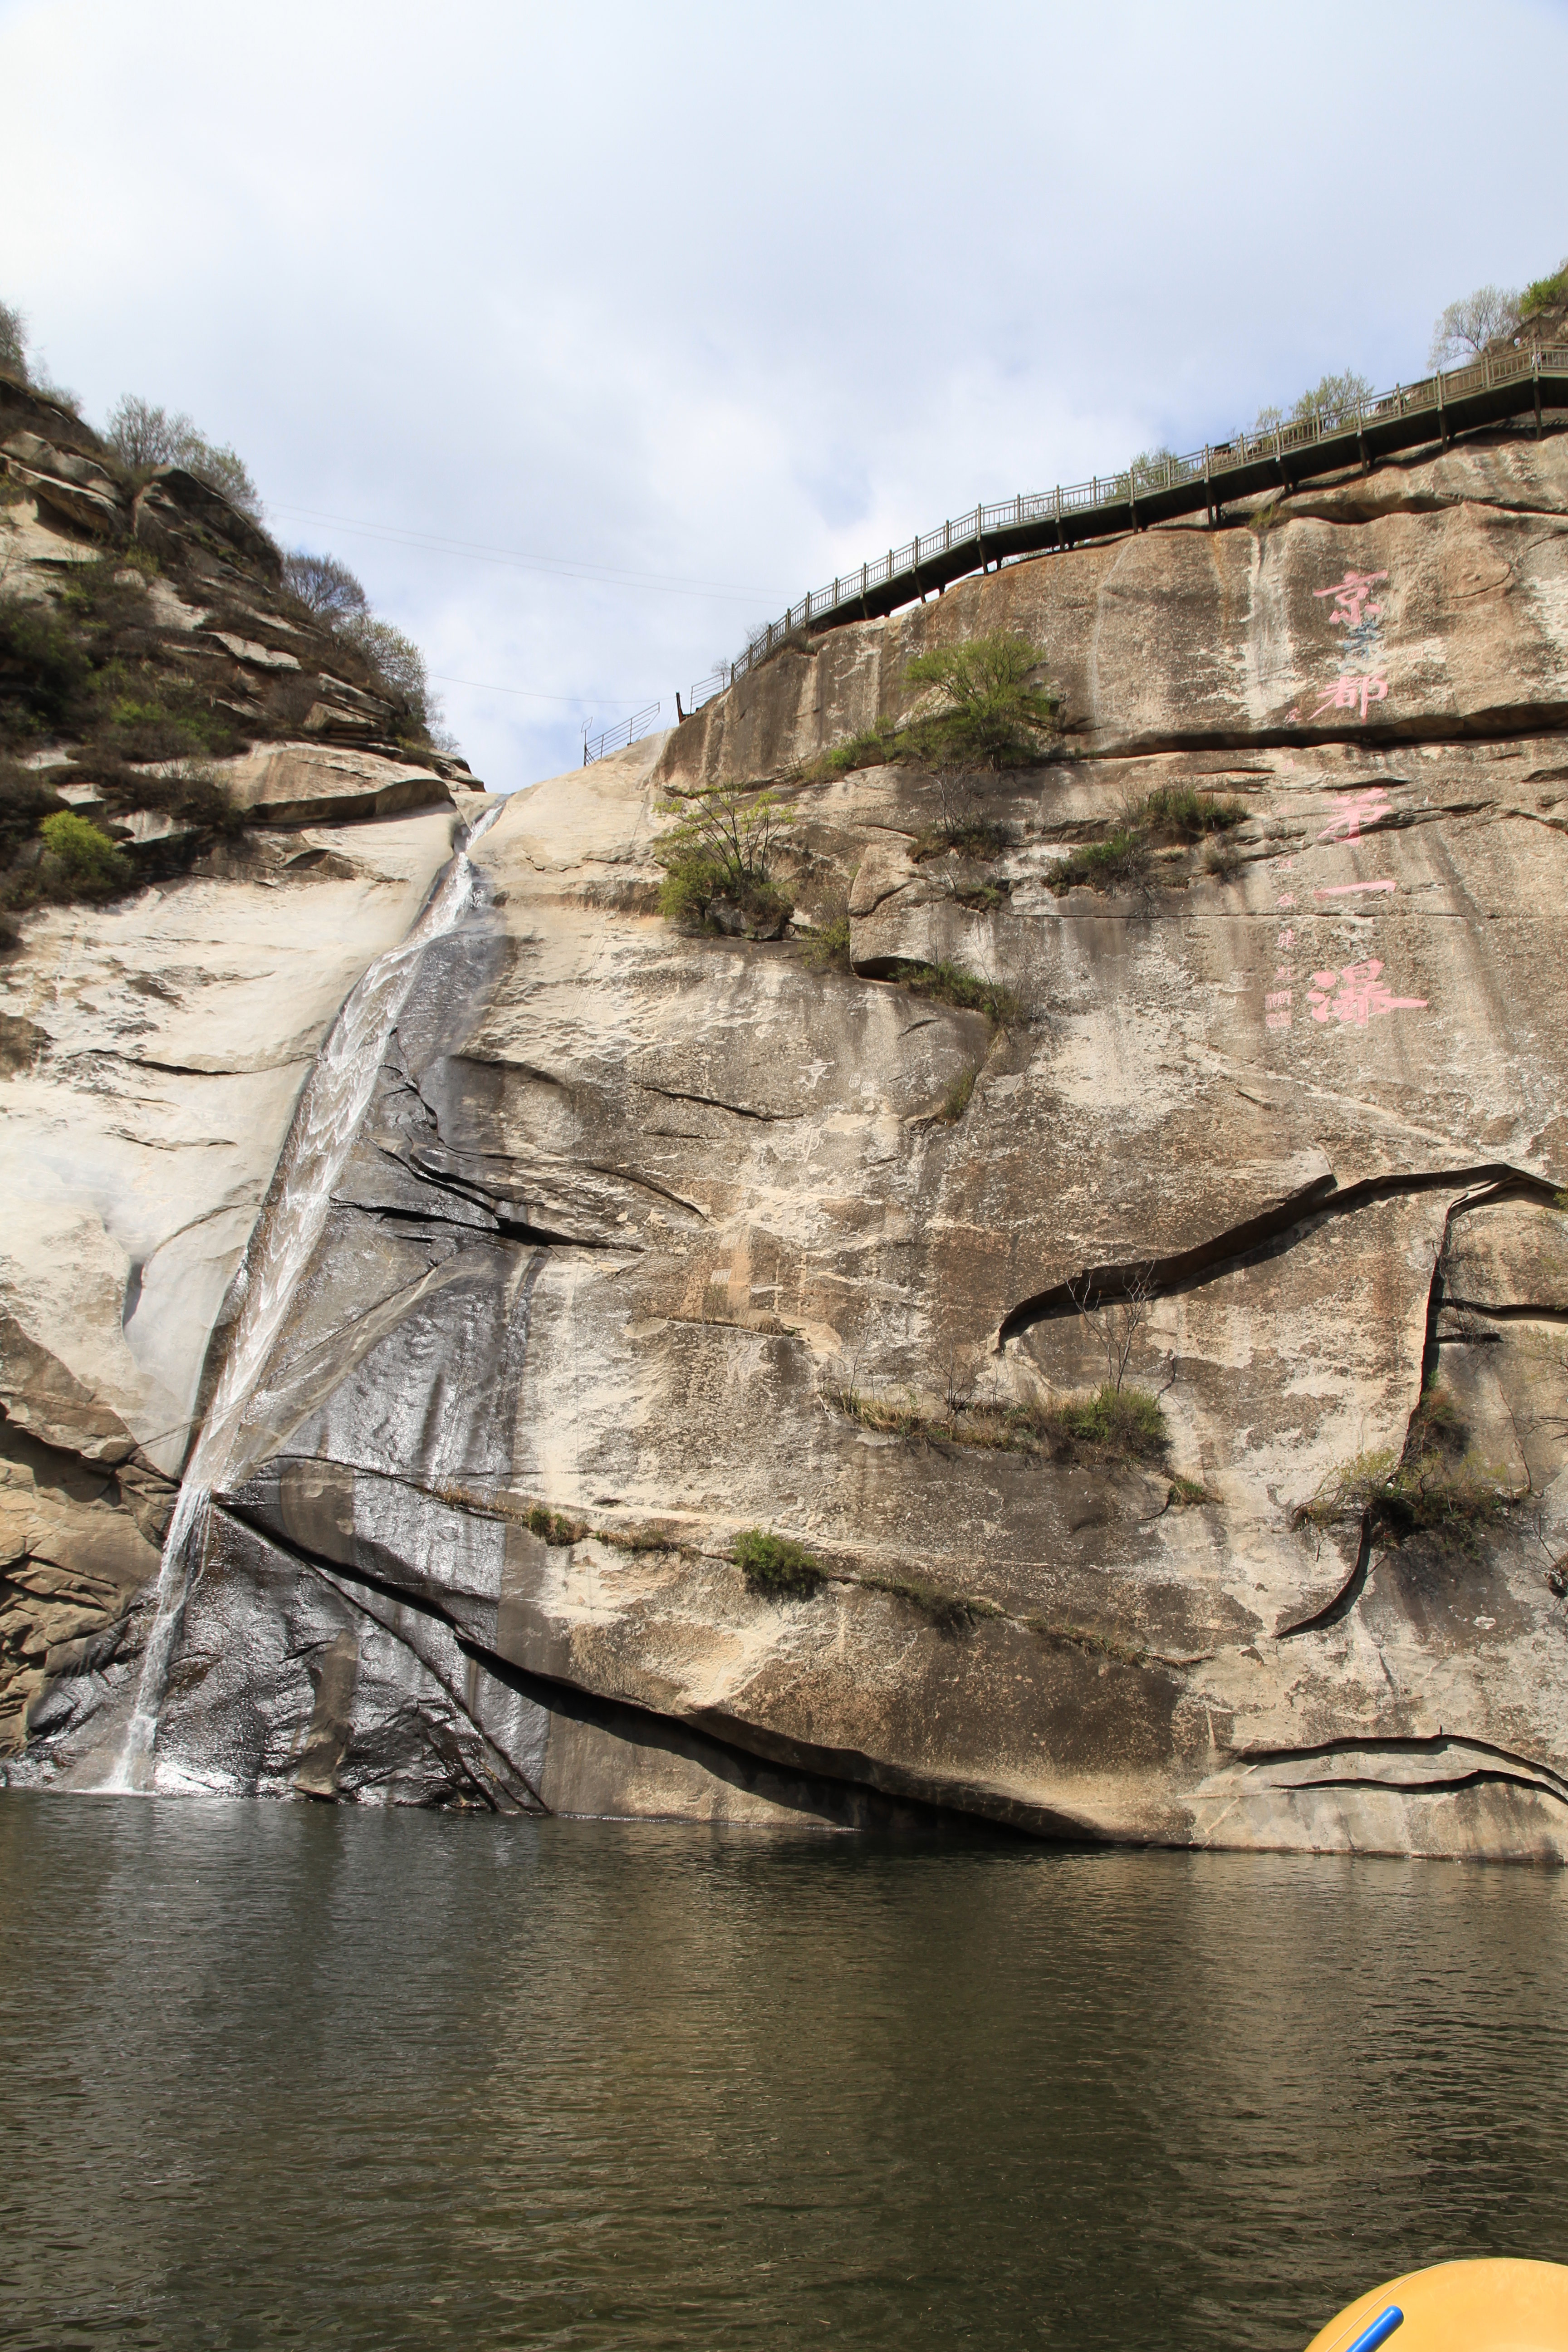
pixel 1471 324
pixel 323 585
pixel 13 343
pixel 145 436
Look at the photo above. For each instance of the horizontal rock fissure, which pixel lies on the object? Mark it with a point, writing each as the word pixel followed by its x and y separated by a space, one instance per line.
pixel 1510 1314
pixel 847 1766
pixel 1482 1778
pixel 1298 1212
pixel 1429 1743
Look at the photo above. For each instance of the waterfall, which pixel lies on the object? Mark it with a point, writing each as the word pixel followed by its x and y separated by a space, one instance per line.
pixel 326 1120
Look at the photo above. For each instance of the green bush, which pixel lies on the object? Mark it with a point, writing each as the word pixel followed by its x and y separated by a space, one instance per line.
pixel 991 716
pixel 1187 1491
pixel 1437 1486
pixel 974 836
pixel 873 747
pixel 1121 862
pixel 826 948
pixel 24 799
pixel 1544 293
pixel 949 983
pixel 1109 1423
pixel 955 1102
pixel 89 865
pixel 44 666
pixel 552 1528
pixel 719 852
pixel 1184 814
pixel 1123 1421
pixel 776 1565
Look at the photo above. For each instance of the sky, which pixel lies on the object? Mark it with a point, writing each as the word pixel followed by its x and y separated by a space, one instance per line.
pixel 590 337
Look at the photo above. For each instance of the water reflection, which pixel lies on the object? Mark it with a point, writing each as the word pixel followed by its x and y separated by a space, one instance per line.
pixel 276 2073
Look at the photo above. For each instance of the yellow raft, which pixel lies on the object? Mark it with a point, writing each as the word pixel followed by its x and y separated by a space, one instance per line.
pixel 1458 2307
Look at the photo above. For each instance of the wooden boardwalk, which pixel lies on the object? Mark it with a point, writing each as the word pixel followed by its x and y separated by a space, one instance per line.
pixel 1489 392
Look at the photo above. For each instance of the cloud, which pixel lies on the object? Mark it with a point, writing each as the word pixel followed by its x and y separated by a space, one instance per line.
pixel 706 296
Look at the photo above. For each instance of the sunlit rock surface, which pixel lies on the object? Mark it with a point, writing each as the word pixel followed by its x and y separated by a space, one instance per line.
pixel 632 1211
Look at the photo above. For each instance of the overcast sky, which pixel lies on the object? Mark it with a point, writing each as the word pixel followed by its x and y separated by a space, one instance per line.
pixel 591 335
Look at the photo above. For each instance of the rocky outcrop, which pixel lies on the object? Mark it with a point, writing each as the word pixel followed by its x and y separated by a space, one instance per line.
pixel 151 1049
pixel 651 1239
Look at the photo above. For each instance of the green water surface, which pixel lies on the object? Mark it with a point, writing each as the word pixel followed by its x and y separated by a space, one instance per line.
pixel 274 2075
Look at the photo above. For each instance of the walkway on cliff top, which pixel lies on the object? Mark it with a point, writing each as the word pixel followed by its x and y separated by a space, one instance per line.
pixel 1492 390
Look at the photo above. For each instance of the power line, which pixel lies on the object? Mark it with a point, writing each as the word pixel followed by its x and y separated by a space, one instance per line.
pixel 555 566
pixel 531 694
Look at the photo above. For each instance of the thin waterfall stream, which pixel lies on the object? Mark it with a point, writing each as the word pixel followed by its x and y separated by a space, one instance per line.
pixel 326 1120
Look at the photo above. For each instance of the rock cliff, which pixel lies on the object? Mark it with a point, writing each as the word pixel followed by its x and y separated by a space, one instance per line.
pixel 649 1239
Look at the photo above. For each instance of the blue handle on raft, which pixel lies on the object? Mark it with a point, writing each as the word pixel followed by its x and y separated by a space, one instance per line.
pixel 1381 2328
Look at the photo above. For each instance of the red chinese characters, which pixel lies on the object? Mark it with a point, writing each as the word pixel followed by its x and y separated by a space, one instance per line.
pixel 1352 598
pixel 1355 995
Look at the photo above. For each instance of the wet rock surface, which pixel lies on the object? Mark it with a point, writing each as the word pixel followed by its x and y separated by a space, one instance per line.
pixel 649 1239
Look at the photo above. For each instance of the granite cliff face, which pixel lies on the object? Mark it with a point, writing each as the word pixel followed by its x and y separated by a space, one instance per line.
pixel 638 1224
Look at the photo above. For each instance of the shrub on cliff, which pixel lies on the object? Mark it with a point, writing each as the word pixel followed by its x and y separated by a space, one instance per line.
pixel 717 859
pixel 949 983
pixel 1124 1420
pixel 1544 293
pixel 1438 1487
pixel 776 1565
pixel 44 665
pixel 81 860
pixel 16 362
pixel 989 714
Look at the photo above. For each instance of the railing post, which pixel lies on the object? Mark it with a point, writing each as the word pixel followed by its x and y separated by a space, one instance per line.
pixel 1535 374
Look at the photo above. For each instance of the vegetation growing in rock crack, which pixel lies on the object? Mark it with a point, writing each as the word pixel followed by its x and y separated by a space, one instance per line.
pixel 1436 1485
pixel 951 1612
pixel 825 946
pixel 717 858
pixel 1104 1425
pixel 1188 1491
pixel 553 1526
pixel 949 983
pixel 957 1099
pixel 777 1565
pixel 1123 860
